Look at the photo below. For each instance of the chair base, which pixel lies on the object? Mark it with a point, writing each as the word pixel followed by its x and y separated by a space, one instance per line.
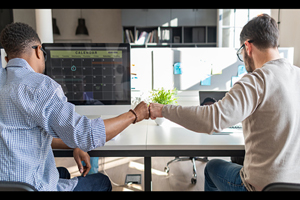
pixel 192 159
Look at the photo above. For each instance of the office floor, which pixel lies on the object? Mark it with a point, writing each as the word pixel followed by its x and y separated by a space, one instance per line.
pixel 178 179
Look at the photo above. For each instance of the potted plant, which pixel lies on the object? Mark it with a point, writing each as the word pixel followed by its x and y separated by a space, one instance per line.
pixel 165 97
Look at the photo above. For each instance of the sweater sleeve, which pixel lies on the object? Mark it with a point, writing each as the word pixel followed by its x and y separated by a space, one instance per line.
pixel 240 102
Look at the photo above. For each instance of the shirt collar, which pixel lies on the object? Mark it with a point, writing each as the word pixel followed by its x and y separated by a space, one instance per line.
pixel 19 62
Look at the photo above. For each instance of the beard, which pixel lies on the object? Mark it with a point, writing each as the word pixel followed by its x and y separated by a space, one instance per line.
pixel 249 63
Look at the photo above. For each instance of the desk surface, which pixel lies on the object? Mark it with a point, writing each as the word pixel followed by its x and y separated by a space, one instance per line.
pixel 147 140
pixel 170 136
pixel 132 138
pixel 146 135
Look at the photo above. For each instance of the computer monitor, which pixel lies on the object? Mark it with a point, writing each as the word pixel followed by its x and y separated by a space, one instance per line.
pixel 95 77
pixel 217 95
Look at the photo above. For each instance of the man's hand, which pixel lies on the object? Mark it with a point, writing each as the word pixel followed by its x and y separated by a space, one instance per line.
pixel 79 156
pixel 155 110
pixel 141 111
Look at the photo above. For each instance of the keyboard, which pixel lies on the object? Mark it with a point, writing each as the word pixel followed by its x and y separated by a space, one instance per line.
pixel 237 126
pixel 232 129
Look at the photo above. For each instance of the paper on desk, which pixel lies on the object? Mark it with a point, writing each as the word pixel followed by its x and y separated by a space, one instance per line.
pixel 177 68
pixel 206 81
pixel 206 70
pixel 241 72
pixel 193 71
pixel 216 69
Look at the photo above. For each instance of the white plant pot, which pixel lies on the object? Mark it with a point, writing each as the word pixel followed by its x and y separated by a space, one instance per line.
pixel 159 120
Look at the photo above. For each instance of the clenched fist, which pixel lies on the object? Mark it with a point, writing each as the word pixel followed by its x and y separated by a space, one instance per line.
pixel 141 111
pixel 155 110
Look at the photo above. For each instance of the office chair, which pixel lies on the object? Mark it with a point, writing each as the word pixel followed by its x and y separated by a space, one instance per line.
pixel 206 101
pixel 192 159
pixel 16 186
pixel 282 187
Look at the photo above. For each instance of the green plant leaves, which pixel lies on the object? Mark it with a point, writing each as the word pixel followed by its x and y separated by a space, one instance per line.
pixel 163 96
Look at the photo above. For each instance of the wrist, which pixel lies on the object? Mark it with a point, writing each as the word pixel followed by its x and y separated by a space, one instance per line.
pixel 134 115
pixel 161 110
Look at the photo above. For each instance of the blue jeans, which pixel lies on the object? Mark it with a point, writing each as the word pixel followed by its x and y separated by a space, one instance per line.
pixel 91 182
pixel 94 165
pixel 221 175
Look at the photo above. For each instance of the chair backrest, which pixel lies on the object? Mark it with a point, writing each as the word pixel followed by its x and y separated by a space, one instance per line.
pixel 282 187
pixel 15 186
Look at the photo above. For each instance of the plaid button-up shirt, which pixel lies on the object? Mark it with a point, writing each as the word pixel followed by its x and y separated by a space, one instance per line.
pixel 33 110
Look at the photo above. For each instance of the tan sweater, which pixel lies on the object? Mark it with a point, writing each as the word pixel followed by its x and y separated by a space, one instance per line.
pixel 267 102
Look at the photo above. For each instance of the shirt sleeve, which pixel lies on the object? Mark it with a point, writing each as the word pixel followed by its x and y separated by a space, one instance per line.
pixel 238 103
pixel 57 117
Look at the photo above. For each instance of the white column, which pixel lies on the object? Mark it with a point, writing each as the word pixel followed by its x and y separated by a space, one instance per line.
pixel 43 18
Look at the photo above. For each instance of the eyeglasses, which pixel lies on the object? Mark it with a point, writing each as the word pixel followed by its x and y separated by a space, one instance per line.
pixel 239 52
pixel 44 52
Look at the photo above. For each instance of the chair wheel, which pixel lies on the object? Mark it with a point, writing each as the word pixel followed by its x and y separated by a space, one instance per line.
pixel 194 181
pixel 167 169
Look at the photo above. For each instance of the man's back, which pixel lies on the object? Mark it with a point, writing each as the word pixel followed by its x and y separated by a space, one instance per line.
pixel 25 147
pixel 272 131
pixel 267 103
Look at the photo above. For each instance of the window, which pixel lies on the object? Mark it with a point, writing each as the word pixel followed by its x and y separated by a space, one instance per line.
pixel 231 22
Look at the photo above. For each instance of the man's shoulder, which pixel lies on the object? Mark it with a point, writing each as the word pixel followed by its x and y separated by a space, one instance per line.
pixel 39 81
pixel 20 73
pixel 270 69
pixel 278 65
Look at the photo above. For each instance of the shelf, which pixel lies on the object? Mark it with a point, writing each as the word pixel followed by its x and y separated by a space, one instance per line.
pixel 180 36
pixel 179 45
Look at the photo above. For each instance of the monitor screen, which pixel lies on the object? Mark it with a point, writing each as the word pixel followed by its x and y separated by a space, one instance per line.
pixel 91 73
pixel 217 95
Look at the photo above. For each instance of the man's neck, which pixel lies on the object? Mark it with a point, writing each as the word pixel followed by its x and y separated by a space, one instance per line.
pixel 265 56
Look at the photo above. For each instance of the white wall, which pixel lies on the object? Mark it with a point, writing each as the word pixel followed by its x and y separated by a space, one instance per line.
pixel 289 28
pixel 43 22
pixel 26 16
pixel 104 25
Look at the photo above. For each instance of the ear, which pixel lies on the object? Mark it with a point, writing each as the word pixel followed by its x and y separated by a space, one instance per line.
pixel 6 59
pixel 38 52
pixel 248 48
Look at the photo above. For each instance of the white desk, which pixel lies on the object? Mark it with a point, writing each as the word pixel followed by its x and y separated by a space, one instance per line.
pixel 171 136
pixel 132 138
pixel 146 135
pixel 147 140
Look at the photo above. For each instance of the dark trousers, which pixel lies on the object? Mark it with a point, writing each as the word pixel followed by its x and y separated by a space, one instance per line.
pixel 221 175
pixel 91 182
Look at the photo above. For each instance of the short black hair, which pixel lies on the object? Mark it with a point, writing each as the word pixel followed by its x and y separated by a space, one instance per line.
pixel 17 38
pixel 262 30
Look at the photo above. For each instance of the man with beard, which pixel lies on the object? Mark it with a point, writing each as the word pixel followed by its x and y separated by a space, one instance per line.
pixel 264 100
